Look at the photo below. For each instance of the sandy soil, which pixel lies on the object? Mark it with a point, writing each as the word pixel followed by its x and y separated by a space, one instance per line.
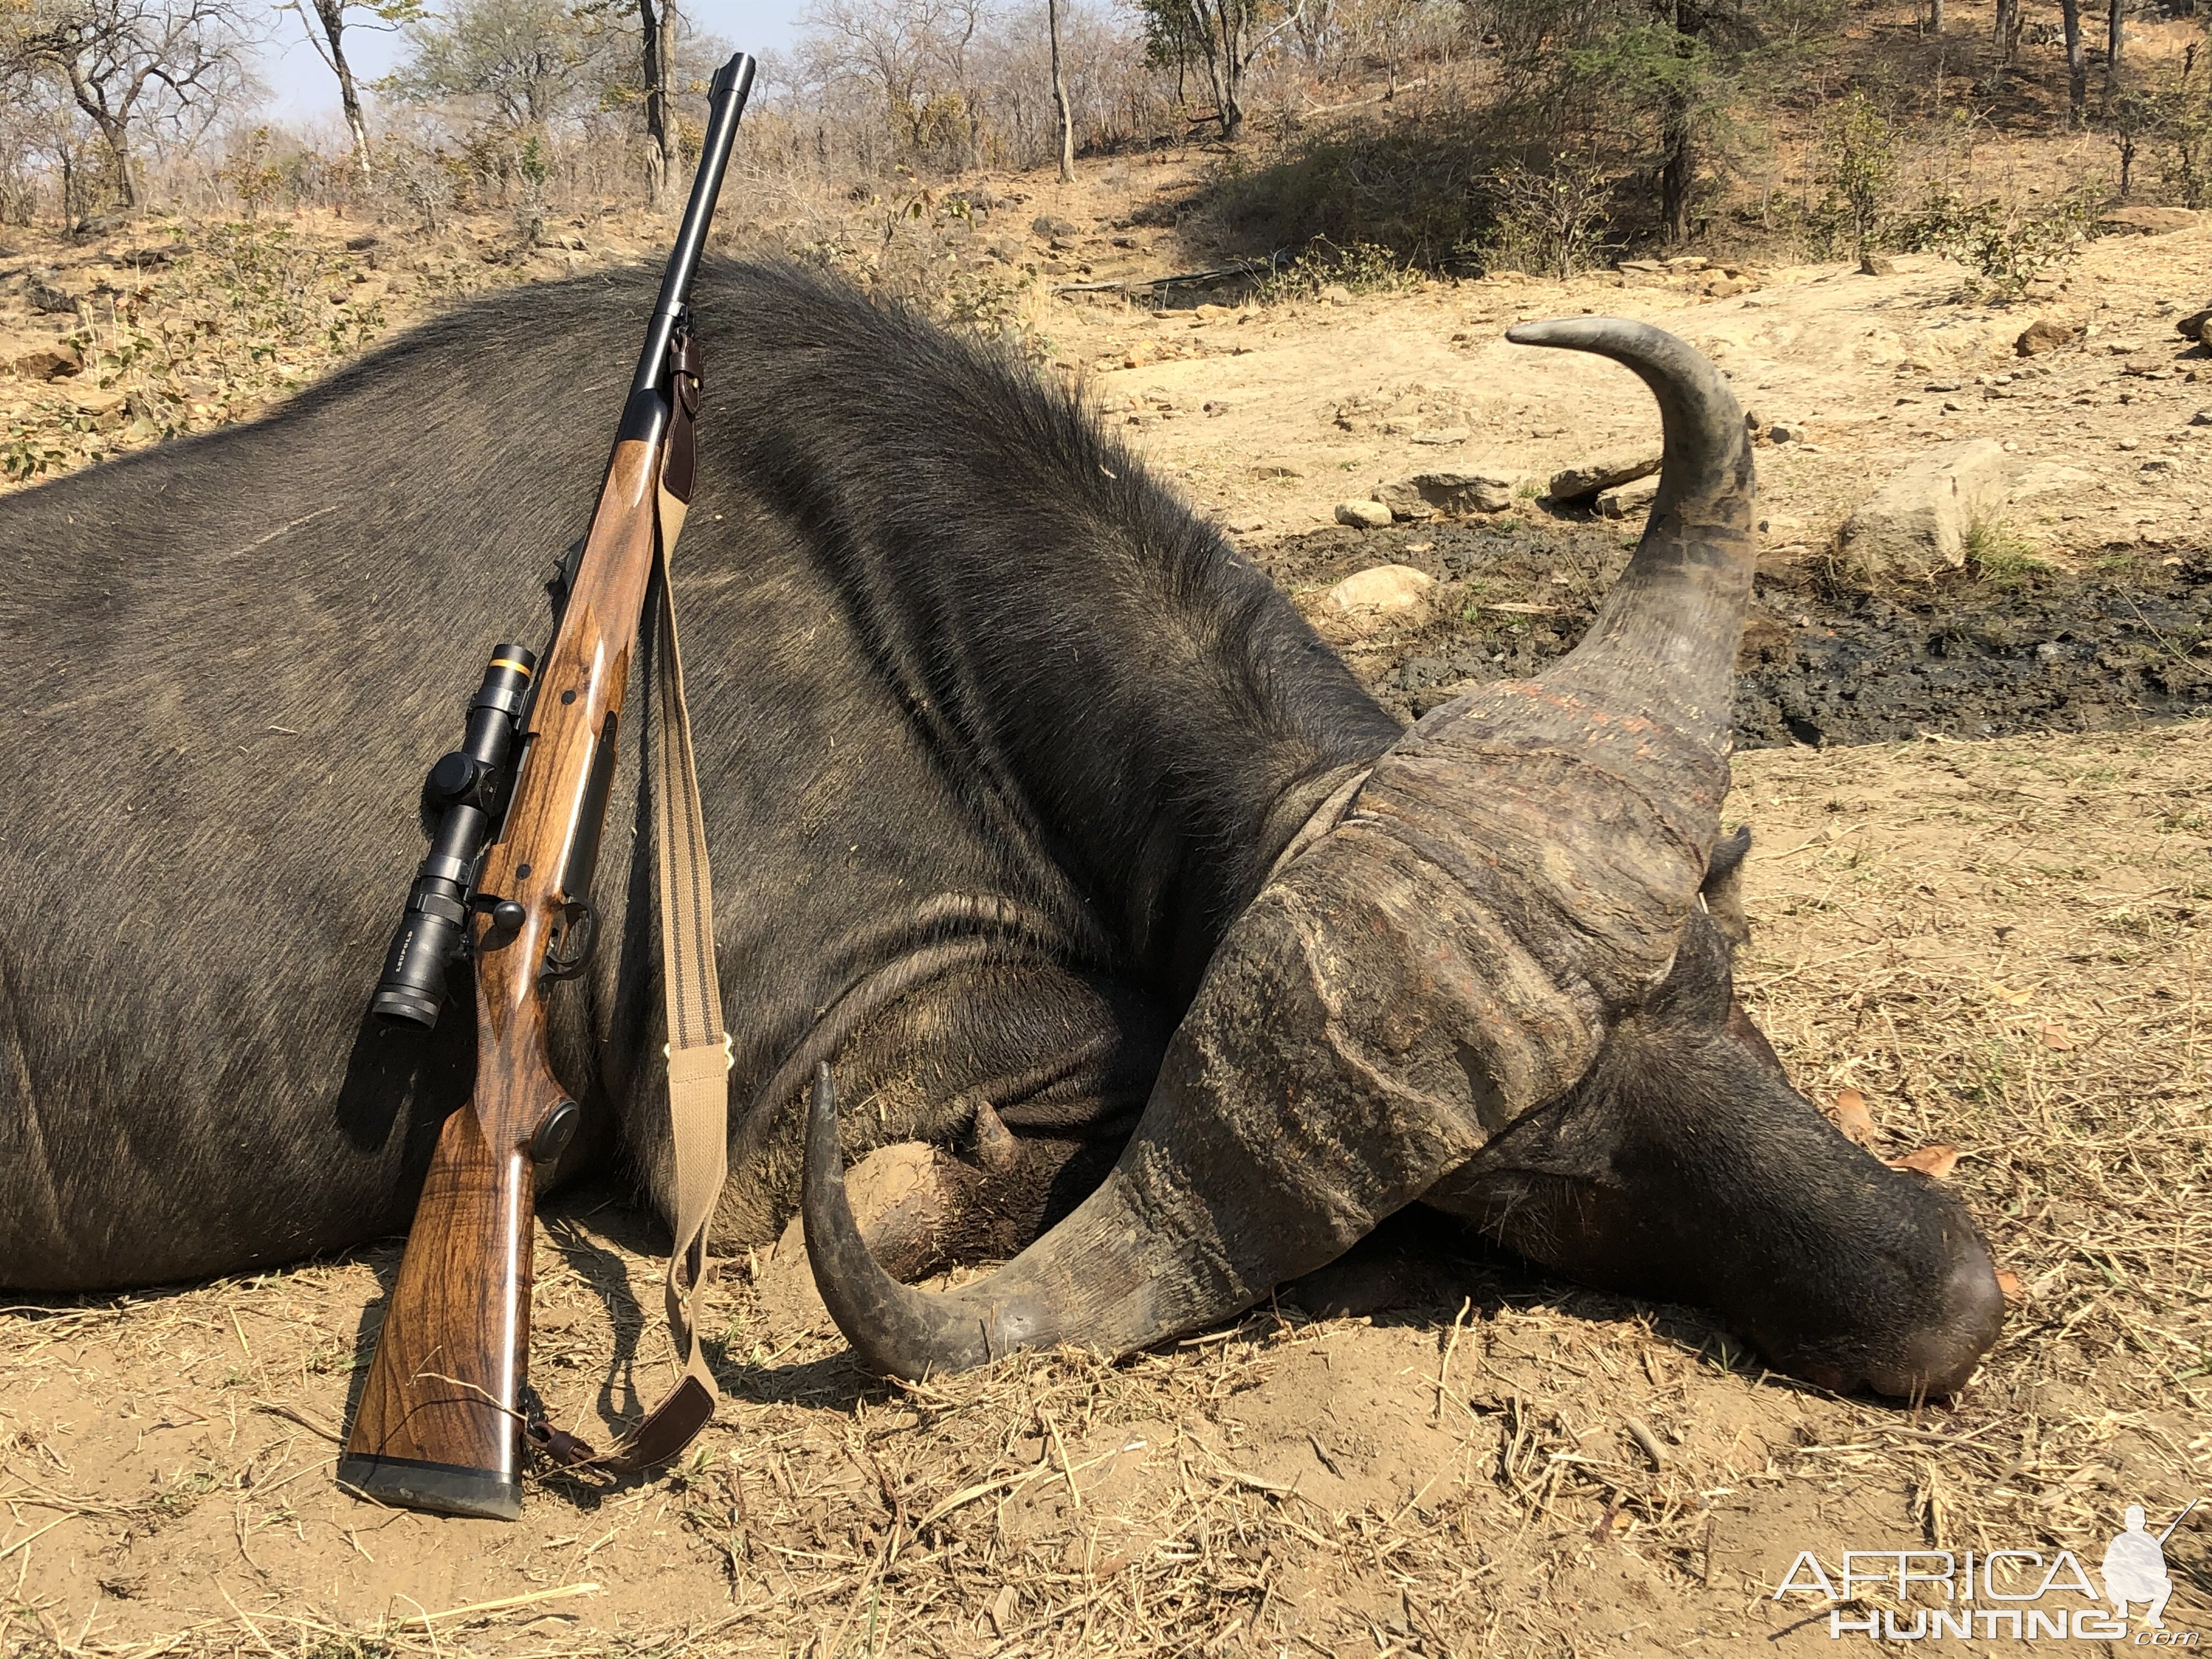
pixel 1998 945
pixel 1318 402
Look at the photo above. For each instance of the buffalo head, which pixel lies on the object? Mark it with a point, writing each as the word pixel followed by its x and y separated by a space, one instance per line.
pixel 1492 976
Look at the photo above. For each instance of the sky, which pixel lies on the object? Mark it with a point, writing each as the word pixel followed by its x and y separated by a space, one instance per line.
pixel 302 91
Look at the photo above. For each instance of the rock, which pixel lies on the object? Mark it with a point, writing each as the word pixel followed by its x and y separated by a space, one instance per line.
pixel 97 400
pixel 1916 524
pixel 1364 515
pixel 2049 477
pixel 1629 499
pixel 1454 494
pixel 2044 334
pixel 1785 432
pixel 1045 225
pixel 44 294
pixel 1876 264
pixel 2151 221
pixel 2202 418
pixel 2149 369
pixel 362 243
pixel 2191 327
pixel 1388 593
pixel 46 363
pixel 1606 471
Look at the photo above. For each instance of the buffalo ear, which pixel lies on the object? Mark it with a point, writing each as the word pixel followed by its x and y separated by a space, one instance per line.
pixel 1699 993
pixel 1722 890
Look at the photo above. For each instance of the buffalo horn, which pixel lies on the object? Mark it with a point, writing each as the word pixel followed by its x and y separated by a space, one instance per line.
pixel 1512 877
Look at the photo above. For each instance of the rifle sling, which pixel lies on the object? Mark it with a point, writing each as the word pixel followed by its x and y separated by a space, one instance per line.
pixel 699 1054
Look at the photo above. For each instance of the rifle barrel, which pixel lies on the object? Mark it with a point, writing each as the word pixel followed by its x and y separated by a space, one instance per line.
pixel 732 85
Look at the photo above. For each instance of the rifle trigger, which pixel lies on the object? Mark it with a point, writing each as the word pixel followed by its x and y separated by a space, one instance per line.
pixel 571 953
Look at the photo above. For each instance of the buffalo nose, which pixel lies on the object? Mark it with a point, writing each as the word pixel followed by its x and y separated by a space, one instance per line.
pixel 1937 1357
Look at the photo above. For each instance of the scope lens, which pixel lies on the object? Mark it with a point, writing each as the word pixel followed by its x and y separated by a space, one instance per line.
pixel 413 987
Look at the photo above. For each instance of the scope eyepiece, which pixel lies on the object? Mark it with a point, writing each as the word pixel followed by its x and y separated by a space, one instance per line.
pixel 463 798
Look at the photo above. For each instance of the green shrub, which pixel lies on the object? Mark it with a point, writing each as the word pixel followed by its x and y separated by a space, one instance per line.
pixel 2008 247
pixel 1415 188
pixel 1362 268
pixel 1550 223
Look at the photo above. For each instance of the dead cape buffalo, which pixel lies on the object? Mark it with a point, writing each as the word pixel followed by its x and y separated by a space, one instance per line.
pixel 1039 815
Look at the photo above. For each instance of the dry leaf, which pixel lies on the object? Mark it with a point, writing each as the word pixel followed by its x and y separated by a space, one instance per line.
pixel 1934 1161
pixel 2055 1037
pixel 1853 1118
pixel 2009 1282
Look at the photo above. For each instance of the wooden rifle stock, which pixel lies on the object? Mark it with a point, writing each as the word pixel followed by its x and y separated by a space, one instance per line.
pixel 440 1422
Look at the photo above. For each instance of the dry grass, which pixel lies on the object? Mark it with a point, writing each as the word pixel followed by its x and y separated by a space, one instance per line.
pixel 1997 944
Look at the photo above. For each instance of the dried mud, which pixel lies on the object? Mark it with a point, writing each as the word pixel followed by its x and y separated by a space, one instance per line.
pixel 2036 650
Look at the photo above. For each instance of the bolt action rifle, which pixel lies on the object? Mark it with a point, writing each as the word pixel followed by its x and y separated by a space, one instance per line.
pixel 514 816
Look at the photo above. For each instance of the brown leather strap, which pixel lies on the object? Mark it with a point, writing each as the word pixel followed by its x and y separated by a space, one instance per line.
pixel 679 463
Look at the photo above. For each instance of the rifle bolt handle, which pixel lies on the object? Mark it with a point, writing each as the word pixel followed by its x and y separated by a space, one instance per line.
pixel 555 1133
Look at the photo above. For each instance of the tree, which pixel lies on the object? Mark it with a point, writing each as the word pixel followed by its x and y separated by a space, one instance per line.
pixel 657 62
pixel 2077 63
pixel 126 63
pixel 323 23
pixel 656 77
pixel 1861 154
pixel 2134 118
pixel 42 132
pixel 2115 36
pixel 1060 95
pixel 530 61
pixel 910 57
pixel 1641 84
pixel 1221 36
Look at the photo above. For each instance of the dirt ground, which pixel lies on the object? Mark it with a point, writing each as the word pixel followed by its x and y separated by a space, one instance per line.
pixel 1994 946
pixel 1997 944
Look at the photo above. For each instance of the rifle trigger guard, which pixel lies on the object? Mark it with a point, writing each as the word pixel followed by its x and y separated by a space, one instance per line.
pixel 580 933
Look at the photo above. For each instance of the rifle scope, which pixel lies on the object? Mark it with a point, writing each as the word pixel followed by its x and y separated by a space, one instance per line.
pixel 464 798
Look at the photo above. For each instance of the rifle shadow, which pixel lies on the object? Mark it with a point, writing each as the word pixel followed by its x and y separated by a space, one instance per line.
pixel 617 1248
